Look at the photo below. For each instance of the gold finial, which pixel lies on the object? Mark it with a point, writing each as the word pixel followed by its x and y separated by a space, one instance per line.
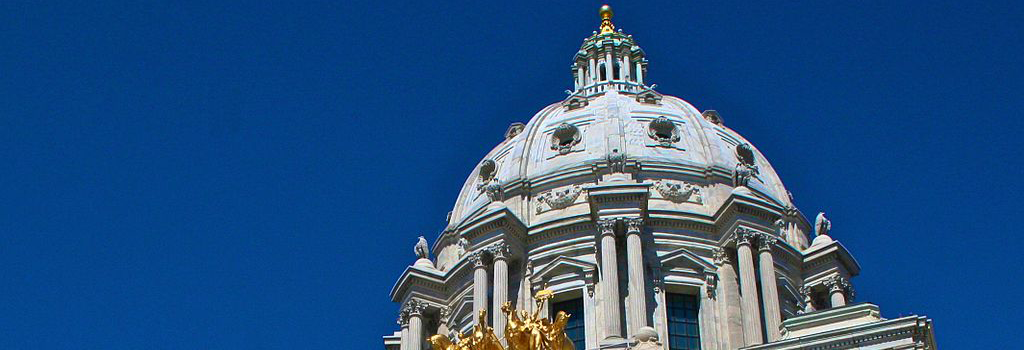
pixel 606 19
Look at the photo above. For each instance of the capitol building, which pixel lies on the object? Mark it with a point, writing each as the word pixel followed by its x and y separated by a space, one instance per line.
pixel 654 225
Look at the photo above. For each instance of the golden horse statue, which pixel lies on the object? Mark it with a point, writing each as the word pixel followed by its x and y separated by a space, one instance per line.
pixel 522 332
pixel 481 337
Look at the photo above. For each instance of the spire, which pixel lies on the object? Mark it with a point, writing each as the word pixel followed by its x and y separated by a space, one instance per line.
pixel 606 19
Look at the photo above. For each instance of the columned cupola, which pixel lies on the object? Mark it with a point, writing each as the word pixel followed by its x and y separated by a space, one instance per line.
pixel 609 60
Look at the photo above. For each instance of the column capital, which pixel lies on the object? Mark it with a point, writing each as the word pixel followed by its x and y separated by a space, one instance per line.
pixel 499 251
pixel 606 226
pixel 414 308
pixel 767 241
pixel 837 283
pixel 634 225
pixel 403 318
pixel 477 258
pixel 721 256
pixel 444 312
pixel 745 236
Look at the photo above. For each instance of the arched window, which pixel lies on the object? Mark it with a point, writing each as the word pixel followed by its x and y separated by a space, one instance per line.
pixel 603 73
pixel 617 71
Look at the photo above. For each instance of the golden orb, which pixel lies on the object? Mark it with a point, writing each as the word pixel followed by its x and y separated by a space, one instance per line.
pixel 606 12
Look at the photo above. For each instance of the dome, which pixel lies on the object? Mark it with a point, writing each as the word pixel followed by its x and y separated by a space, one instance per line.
pixel 611 117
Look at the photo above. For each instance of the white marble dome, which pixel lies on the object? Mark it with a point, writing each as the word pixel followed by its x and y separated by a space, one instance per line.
pixel 696 150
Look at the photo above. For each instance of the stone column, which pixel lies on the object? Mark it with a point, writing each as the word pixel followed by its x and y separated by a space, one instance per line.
pixel 637 287
pixel 639 73
pixel 748 287
pixel 442 320
pixel 500 253
pixel 837 289
pixel 626 68
pixel 609 280
pixel 416 309
pixel 479 286
pixel 403 321
pixel 731 318
pixel 608 65
pixel 769 288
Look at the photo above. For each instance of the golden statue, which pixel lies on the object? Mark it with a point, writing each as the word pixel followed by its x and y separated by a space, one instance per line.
pixel 523 331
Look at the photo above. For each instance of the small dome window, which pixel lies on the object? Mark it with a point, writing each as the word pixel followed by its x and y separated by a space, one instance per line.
pixel 487 169
pixel 617 71
pixel 603 72
pixel 565 137
pixel 745 154
pixel 664 131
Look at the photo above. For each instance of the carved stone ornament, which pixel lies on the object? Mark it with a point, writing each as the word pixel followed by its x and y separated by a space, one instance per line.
pixel 607 226
pixel 499 251
pixel 477 258
pixel 713 117
pixel 558 198
pixel 679 192
pixel 415 307
pixel 767 242
pixel 487 170
pixel 617 161
pixel 721 256
pixel 633 225
pixel 462 247
pixel 822 225
pixel 444 312
pixel 565 137
pixel 663 131
pixel 494 191
pixel 710 281
pixel 514 129
pixel 745 236
pixel 421 249
pixel 746 169
pixel 836 283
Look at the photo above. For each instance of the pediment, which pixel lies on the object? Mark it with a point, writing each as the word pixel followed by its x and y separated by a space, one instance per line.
pixel 684 258
pixel 563 265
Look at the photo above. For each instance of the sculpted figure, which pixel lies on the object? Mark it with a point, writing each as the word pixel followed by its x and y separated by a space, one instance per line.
pixel 822 225
pixel 421 249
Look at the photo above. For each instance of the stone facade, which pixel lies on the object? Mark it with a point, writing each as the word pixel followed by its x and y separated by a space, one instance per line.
pixel 623 198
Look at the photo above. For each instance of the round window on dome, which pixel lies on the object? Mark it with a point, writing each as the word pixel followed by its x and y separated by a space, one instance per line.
pixel 565 137
pixel 487 169
pixel 664 131
pixel 745 154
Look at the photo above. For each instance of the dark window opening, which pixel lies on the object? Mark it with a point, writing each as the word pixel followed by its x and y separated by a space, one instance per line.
pixel 683 326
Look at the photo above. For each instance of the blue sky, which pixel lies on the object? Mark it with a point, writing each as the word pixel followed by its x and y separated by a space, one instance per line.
pixel 182 175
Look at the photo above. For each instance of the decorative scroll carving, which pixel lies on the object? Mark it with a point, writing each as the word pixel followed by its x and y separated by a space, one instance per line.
pixel 477 258
pixel 679 192
pixel 633 225
pixel 499 251
pixel 414 308
pixel 721 256
pixel 663 131
pixel 559 198
pixel 767 241
pixel 836 283
pixel 606 226
pixel 565 137
pixel 745 236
